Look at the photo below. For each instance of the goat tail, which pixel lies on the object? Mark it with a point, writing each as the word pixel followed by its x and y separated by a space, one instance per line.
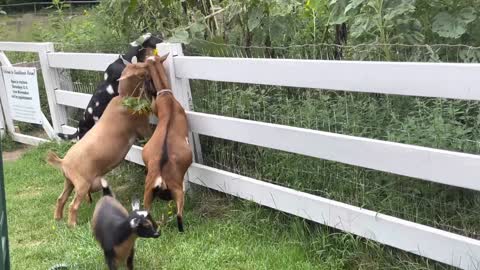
pixel 105 188
pixel 54 160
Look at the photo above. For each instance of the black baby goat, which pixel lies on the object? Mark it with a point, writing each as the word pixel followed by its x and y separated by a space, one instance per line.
pixel 116 230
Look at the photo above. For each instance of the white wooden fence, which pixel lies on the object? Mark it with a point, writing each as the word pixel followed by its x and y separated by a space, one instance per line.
pixel 456 81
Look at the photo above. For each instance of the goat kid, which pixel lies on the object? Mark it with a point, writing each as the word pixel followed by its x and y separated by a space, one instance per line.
pixel 167 155
pixel 104 146
pixel 116 230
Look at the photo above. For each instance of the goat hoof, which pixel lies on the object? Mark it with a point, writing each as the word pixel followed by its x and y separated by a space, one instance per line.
pixel 72 224
pixel 180 224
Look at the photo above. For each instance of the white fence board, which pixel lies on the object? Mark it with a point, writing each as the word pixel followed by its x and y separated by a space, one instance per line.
pixel 84 61
pixel 459 81
pixel 58 113
pixel 72 99
pixel 22 46
pixel 27 139
pixel 428 242
pixel 446 167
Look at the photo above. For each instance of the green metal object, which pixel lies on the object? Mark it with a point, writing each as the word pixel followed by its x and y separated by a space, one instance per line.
pixel 4 254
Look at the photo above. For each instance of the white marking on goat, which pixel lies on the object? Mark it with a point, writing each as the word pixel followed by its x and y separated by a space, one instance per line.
pixel 135 205
pixel 134 44
pixel 90 110
pixel 143 213
pixel 110 89
pixel 97 103
pixel 158 182
pixel 95 118
pixel 134 60
pixel 186 139
pixel 151 58
pixel 133 222
pixel 105 76
pixel 104 182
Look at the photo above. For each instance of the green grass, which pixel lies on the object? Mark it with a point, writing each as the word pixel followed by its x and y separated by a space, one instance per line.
pixel 221 232
pixel 8 144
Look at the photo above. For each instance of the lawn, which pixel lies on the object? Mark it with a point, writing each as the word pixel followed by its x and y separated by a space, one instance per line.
pixel 221 232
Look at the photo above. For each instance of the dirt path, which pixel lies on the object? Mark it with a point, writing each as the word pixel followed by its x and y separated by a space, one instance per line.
pixel 14 155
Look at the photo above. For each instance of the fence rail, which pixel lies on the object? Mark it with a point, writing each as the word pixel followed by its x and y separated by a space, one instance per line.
pixel 457 81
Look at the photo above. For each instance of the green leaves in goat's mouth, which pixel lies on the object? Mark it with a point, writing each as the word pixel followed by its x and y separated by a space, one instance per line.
pixel 137 105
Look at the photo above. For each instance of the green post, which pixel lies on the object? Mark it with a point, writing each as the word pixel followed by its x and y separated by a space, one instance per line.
pixel 4 254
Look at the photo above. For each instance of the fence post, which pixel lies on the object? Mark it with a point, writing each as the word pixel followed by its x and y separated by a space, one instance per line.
pixel 181 90
pixel 52 83
pixel 4 98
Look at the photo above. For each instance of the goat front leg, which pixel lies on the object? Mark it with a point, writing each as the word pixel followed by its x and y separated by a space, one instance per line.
pixel 148 194
pixel 130 260
pixel 110 259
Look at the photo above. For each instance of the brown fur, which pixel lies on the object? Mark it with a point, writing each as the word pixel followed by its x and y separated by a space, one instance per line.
pixel 172 132
pixel 103 147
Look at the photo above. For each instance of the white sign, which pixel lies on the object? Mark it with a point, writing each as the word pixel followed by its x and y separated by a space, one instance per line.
pixel 22 91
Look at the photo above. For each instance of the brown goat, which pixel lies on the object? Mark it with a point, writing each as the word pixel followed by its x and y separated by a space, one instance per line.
pixel 167 154
pixel 104 146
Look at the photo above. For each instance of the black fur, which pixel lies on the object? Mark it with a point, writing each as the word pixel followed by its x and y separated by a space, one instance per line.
pixel 113 227
pixel 163 194
pixel 102 96
pixel 180 224
pixel 107 191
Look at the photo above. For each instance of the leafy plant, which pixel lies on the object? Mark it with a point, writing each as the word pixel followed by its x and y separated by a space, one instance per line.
pixel 453 25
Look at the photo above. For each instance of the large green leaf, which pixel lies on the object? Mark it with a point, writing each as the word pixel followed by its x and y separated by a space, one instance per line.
pixel 255 18
pixel 179 36
pixel 449 26
pixel 315 4
pixel 396 8
pixel 361 25
pixel 353 5
pixel 337 14
pixel 467 15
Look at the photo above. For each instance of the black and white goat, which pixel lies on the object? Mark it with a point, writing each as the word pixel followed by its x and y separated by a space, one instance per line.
pixel 116 230
pixel 108 89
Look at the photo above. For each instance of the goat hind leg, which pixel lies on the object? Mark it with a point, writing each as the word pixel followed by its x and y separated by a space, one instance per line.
pixel 75 205
pixel 179 197
pixel 148 196
pixel 62 199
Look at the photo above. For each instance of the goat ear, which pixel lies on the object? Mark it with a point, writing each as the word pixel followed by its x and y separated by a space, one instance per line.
pixel 164 57
pixel 125 76
pixel 134 222
pixel 136 204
